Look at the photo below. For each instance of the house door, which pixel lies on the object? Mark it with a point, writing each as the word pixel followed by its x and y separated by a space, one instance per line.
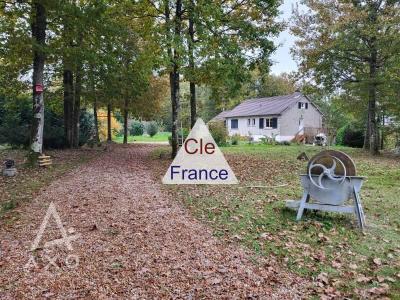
pixel 301 125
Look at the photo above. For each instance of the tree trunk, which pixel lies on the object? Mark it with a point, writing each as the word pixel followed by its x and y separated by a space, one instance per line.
pixel 109 136
pixel 96 121
pixel 367 132
pixel 93 90
pixel 175 109
pixel 192 84
pixel 373 126
pixel 77 99
pixel 174 136
pixel 126 121
pixel 193 111
pixel 39 36
pixel 382 135
pixel 68 82
pixel 174 81
pixel 77 107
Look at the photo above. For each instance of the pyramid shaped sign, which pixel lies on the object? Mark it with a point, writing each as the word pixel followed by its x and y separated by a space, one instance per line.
pixel 199 161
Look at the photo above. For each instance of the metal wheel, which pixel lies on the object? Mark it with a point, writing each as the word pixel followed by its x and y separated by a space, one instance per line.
pixel 331 164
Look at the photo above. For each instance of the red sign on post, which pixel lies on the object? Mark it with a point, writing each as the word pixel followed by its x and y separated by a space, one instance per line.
pixel 39 88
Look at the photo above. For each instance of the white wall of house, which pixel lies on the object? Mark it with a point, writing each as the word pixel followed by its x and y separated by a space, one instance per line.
pixel 245 130
pixel 289 123
pixel 292 119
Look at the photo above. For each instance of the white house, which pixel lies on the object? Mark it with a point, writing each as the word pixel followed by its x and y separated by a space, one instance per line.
pixel 280 117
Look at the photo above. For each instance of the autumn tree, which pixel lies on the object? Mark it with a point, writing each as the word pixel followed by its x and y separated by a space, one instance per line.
pixel 78 49
pixel 350 46
pixel 211 42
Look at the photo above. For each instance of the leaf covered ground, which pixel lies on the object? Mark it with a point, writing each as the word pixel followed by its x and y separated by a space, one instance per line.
pixel 30 181
pixel 131 239
pixel 325 248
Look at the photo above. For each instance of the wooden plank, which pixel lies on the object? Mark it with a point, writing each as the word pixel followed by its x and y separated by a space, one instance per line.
pixel 332 208
pixel 292 204
pixel 302 206
pixel 359 210
pixel 45 164
pixel 262 186
pixel 44 156
pixel 45 160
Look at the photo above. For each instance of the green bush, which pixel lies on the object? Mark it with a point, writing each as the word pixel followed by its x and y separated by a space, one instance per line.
pixel 284 143
pixel 350 135
pixel 235 139
pixel 218 132
pixel 137 128
pixel 340 135
pixel 152 128
pixel 86 127
pixel 16 119
pixel 53 132
pixel 268 140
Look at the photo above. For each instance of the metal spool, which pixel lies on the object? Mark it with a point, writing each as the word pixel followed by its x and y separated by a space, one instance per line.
pixel 325 158
pixel 330 165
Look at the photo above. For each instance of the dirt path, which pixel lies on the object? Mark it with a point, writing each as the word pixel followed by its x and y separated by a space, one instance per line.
pixel 134 243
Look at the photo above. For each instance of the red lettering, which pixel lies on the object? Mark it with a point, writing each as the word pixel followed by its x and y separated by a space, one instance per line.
pixel 208 148
pixel 186 146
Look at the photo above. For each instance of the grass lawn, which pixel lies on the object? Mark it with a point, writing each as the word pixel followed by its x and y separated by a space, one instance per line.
pixel 159 137
pixel 325 247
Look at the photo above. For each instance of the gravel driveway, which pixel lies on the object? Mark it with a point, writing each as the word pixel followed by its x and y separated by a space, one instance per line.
pixel 133 242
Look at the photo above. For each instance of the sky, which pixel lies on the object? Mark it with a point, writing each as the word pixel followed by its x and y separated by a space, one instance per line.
pixel 282 59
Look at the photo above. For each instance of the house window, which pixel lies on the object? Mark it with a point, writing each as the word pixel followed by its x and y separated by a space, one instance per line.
pixel 303 105
pixel 234 123
pixel 271 123
pixel 251 122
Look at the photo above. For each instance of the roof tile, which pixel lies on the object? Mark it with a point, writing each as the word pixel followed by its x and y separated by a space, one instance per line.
pixel 264 106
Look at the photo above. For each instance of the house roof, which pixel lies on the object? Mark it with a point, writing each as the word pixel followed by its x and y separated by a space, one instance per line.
pixel 221 116
pixel 265 106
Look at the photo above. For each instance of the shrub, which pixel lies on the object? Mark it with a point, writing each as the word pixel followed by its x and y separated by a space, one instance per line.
pixel 16 120
pixel 184 132
pixel 340 135
pixel 152 128
pixel 218 132
pixel 268 140
pixel 351 136
pixel 235 139
pixel 250 138
pixel 354 138
pixel 86 127
pixel 53 132
pixel 137 128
